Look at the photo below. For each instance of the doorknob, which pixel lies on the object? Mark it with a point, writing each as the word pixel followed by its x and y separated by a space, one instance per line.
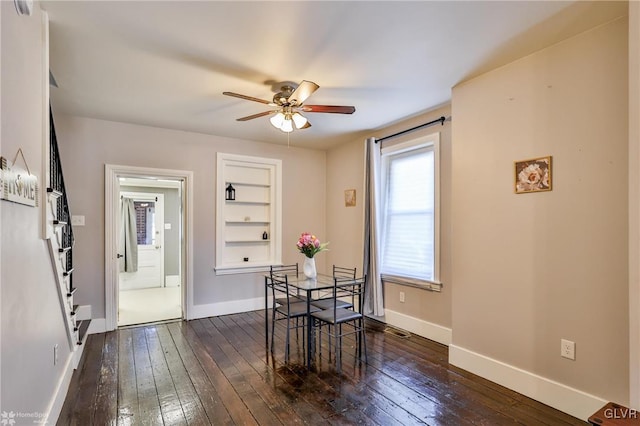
pixel 119 256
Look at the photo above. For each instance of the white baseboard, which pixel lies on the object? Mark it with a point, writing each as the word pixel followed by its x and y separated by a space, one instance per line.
pixel 562 397
pixel 99 325
pixel 417 326
pixel 172 281
pixel 226 308
pixel 55 406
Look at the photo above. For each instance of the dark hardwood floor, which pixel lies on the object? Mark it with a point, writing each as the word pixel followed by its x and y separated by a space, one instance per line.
pixel 216 371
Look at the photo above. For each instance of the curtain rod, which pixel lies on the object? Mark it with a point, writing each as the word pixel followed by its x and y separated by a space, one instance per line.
pixel 440 120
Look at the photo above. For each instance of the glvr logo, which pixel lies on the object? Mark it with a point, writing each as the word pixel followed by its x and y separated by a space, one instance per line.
pixel 619 412
pixel 8 418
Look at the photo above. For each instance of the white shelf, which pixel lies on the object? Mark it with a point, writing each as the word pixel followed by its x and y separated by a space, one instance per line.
pixel 248 222
pixel 263 203
pixel 258 185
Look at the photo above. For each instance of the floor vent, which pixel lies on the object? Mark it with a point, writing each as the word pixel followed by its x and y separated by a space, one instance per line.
pixel 397 332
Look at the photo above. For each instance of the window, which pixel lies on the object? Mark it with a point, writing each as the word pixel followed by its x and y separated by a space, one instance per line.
pixel 410 196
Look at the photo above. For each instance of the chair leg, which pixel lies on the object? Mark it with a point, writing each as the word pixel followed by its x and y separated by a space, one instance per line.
pixel 319 343
pixel 286 347
pixel 273 329
pixel 363 340
pixel 339 348
pixel 329 340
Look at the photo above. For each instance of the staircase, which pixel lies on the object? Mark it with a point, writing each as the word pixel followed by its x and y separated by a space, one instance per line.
pixel 59 234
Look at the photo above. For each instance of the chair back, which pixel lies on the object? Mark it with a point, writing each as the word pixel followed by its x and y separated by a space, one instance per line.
pixel 284 269
pixel 352 288
pixel 342 272
pixel 279 285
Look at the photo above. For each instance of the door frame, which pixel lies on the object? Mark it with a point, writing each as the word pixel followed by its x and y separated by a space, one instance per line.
pixel 112 173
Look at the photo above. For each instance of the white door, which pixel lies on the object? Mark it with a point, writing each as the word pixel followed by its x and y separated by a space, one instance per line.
pixel 149 209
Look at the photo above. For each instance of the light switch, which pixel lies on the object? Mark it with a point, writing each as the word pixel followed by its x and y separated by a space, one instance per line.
pixel 77 220
pixel 167 226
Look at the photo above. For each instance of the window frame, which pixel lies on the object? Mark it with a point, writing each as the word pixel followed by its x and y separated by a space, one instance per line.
pixel 431 142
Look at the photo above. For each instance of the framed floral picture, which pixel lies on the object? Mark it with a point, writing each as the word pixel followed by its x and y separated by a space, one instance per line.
pixel 349 197
pixel 533 175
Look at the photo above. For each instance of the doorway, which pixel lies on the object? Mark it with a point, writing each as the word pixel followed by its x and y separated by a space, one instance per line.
pixel 147 264
pixel 146 292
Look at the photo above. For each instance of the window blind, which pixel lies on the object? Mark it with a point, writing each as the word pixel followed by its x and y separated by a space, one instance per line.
pixel 409 238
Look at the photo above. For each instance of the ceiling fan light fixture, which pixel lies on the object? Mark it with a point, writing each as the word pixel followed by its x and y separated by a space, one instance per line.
pixel 299 120
pixel 277 120
pixel 287 125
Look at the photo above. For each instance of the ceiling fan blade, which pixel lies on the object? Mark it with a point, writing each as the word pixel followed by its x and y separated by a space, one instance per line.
pixel 335 109
pixel 302 92
pixel 260 114
pixel 248 98
pixel 306 125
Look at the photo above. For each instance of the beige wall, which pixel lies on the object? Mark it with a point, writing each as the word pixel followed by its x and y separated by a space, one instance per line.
pixel 345 170
pixel 87 144
pixel 32 322
pixel 531 269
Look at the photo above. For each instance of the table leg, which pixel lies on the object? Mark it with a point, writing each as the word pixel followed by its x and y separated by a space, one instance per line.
pixel 266 316
pixel 309 330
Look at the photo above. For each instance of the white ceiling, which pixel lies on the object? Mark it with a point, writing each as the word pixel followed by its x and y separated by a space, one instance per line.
pixel 166 63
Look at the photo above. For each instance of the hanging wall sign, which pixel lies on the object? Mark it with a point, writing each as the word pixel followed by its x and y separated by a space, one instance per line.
pixel 17 184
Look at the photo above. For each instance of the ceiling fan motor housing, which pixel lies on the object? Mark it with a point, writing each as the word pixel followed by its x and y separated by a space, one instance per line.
pixel 281 98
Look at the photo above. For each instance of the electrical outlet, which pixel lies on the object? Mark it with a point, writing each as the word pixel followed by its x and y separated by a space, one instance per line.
pixel 55 354
pixel 567 349
pixel 402 296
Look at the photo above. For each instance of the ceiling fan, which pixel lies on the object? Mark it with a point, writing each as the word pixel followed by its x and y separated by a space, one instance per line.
pixel 289 105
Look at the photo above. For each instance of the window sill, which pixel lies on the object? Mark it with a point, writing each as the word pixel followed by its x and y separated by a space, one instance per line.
pixel 413 282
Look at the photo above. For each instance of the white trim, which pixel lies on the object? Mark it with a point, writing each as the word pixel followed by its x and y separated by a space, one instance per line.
pixel 46 230
pixel 274 166
pixel 239 269
pixel 111 194
pixel 55 406
pixel 418 326
pixel 98 325
pixel 430 141
pixel 564 398
pixel 149 183
pixel 226 308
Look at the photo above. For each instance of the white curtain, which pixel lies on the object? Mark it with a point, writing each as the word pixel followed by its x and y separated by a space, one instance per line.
pixel 374 301
pixel 128 241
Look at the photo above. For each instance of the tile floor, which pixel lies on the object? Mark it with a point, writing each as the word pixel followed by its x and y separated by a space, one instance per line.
pixel 146 305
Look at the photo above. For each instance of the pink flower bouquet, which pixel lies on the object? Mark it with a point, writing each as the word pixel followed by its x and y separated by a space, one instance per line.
pixel 309 245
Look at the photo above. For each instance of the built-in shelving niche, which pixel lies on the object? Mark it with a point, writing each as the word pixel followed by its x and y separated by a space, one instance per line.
pixel 249 214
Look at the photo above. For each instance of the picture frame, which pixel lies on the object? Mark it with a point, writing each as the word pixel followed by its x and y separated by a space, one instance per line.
pixel 533 175
pixel 349 197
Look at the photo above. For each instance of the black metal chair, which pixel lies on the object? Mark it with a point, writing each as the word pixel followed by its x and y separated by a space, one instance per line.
pixel 342 272
pixel 347 301
pixel 287 309
pixel 282 270
pixel 335 318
